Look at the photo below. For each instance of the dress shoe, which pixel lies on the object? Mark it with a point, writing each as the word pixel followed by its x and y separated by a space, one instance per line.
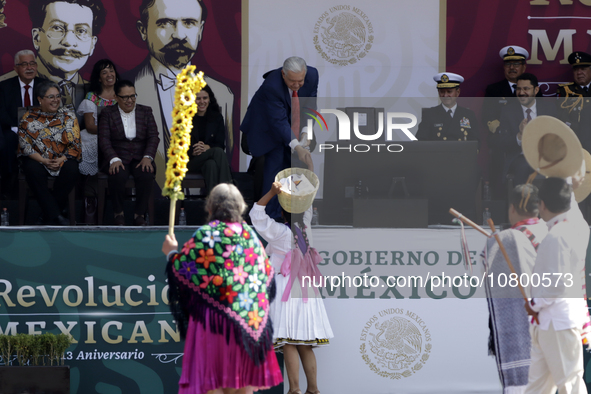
pixel 139 221
pixel 60 221
pixel 90 210
pixel 119 220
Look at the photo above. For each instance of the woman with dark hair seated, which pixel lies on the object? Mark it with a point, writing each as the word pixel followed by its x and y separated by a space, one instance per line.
pixel 49 144
pixel 102 94
pixel 208 141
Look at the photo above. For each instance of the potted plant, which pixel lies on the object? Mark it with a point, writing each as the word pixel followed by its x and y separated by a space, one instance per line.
pixel 34 363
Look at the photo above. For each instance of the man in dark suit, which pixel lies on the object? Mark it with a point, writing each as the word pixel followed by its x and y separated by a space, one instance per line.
pixel 497 96
pixel 514 58
pixel 14 93
pixel 128 139
pixel 514 117
pixel 448 121
pixel 268 125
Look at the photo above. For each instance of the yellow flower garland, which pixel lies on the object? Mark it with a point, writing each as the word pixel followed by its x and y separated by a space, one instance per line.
pixel 187 87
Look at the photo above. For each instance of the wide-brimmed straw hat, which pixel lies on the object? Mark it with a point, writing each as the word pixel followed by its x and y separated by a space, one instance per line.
pixel 551 147
pixel 584 188
pixel 292 203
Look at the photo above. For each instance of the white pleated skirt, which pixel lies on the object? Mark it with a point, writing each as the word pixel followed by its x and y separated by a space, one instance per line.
pixel 296 322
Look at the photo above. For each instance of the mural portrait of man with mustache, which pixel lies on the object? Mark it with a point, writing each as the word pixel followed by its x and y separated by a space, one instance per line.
pixel 172 30
pixel 64 35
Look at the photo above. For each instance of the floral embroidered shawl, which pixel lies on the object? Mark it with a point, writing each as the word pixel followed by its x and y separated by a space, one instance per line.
pixel 223 271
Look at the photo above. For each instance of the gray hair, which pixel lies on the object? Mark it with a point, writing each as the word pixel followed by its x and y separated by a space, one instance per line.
pixel 294 64
pixel 45 86
pixel 24 52
pixel 225 203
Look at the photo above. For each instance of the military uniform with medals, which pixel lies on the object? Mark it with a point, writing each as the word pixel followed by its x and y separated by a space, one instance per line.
pixel 438 125
pixel 574 105
pixel 497 97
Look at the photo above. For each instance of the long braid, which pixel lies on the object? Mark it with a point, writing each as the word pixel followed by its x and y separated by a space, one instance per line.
pixel 294 220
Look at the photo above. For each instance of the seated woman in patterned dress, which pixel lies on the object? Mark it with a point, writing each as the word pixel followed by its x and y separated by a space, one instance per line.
pixel 49 144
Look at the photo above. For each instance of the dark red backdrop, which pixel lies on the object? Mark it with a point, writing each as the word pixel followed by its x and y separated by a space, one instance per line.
pixel 218 55
pixel 477 30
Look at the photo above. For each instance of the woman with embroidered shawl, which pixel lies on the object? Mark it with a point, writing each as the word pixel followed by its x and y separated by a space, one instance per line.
pixel 299 318
pixel 220 291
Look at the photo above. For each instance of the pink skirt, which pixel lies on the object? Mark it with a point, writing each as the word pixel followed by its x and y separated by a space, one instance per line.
pixel 210 363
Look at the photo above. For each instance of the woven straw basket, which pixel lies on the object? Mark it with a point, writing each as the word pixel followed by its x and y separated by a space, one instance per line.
pixel 297 204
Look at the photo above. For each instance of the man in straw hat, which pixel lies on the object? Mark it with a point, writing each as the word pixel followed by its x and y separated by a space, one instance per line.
pixel 553 149
pixel 509 339
pixel 448 121
pixel 557 354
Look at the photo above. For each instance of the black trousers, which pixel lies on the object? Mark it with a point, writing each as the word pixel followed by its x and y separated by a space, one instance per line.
pixel 213 165
pixel 52 202
pixel 8 162
pixel 144 182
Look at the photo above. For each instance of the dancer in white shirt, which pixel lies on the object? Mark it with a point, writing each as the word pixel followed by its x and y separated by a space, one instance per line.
pixel 557 354
pixel 299 318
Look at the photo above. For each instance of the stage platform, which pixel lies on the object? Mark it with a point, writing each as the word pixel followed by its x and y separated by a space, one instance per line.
pixel 107 287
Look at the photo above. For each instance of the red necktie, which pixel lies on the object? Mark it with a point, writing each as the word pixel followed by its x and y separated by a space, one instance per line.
pixel 528 112
pixel 27 96
pixel 295 114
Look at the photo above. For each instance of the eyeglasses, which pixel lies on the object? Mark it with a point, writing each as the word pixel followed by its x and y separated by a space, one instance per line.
pixel 25 64
pixel 514 64
pixel 126 98
pixel 58 31
pixel 53 96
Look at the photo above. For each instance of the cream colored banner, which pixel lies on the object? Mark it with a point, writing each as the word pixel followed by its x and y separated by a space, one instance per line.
pixel 378 48
pixel 364 49
pixel 403 344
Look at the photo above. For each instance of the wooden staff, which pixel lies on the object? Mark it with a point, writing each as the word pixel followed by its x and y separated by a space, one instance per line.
pixel 469 222
pixel 171 215
pixel 501 247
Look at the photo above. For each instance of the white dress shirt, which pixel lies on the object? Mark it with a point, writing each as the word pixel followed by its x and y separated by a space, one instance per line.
pixel 561 303
pixel 452 109
pixel 128 120
pixel 31 84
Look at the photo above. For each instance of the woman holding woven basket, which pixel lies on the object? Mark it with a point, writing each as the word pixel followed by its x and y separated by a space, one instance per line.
pixel 299 319
pixel 220 291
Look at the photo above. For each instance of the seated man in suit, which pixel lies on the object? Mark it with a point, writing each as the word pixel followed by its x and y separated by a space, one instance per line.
pixel 497 96
pixel 514 118
pixel 272 126
pixel 14 93
pixel 448 121
pixel 128 139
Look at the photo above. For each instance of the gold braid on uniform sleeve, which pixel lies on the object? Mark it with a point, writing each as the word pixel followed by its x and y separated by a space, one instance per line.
pixel 572 104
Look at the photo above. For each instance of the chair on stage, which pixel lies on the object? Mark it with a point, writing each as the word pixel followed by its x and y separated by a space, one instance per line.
pixel 191 181
pixel 103 185
pixel 194 181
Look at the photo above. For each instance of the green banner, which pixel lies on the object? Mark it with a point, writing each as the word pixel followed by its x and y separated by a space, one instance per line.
pixel 106 288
